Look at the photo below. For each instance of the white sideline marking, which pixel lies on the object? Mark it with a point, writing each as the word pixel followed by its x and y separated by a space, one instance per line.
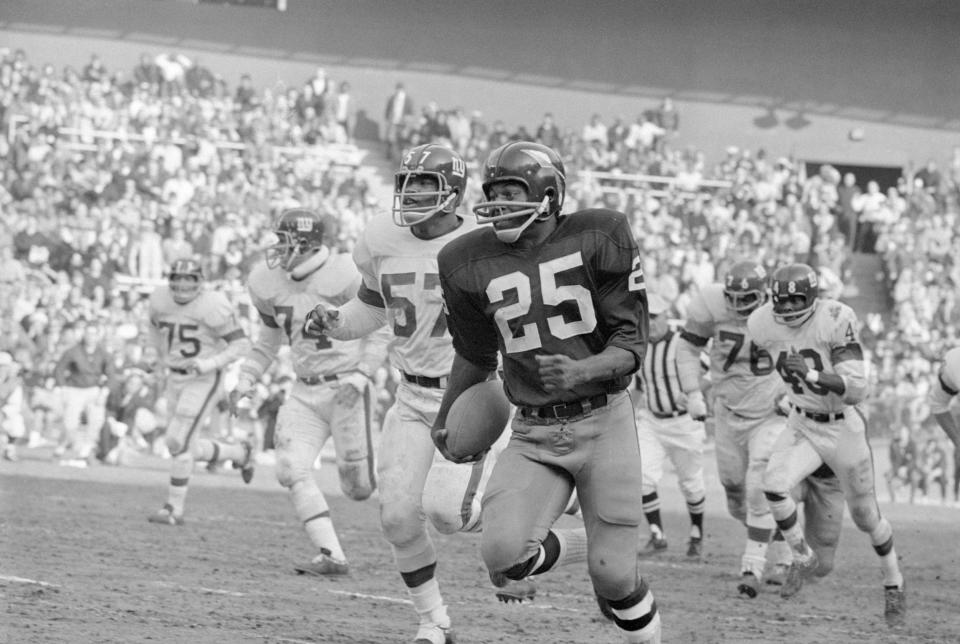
pixel 24 580
pixel 384 598
pixel 218 591
pixel 229 519
pixel 397 600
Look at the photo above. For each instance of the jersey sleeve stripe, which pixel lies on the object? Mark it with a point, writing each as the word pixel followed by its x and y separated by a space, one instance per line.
pixel 849 351
pixel 236 334
pixel 269 320
pixel 693 338
pixel 370 297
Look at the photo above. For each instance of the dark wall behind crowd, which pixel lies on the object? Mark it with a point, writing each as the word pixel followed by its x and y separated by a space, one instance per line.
pixel 892 66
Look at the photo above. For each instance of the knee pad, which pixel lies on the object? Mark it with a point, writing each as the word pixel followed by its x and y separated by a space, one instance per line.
pixel 865 514
pixel 357 479
pixel 288 470
pixel 736 502
pixel 504 549
pixel 825 561
pixel 402 524
pixel 450 502
pixel 173 444
pixel 757 503
pixel 612 581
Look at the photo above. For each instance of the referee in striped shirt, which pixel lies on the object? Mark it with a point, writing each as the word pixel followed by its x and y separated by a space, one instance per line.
pixel 666 430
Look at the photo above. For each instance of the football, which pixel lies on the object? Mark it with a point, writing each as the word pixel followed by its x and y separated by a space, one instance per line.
pixel 477 418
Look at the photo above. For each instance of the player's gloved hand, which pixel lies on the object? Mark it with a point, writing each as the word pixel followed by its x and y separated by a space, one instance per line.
pixel 320 320
pixel 351 388
pixel 696 405
pixel 795 364
pixel 244 389
pixel 782 406
pixel 439 436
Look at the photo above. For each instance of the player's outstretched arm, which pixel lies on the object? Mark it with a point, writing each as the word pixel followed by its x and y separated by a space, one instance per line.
pixel 353 320
pixel 463 375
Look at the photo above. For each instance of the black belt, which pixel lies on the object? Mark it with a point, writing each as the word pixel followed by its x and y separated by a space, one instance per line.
pixel 672 414
pixel 426 381
pixel 566 410
pixel 182 372
pixel 316 380
pixel 819 416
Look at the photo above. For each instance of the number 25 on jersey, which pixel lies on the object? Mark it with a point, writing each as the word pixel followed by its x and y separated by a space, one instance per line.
pixel 551 294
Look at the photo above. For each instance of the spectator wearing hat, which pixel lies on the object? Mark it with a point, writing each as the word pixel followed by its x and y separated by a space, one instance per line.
pixel 398 110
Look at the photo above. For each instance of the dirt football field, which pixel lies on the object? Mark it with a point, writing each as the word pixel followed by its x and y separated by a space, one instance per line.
pixel 79 563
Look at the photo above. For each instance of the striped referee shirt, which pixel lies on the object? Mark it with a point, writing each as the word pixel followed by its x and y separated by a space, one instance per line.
pixel 658 379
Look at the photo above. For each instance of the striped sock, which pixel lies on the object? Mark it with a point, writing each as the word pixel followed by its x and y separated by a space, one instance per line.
pixel 636 615
pixel 651 510
pixel 177 494
pixel 696 509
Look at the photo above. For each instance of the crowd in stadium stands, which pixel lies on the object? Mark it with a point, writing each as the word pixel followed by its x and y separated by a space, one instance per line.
pixel 109 176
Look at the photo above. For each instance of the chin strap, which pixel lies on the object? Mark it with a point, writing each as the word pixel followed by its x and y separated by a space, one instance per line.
pixel 310 264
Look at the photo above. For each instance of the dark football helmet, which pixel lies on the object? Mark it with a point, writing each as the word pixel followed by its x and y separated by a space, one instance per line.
pixel 411 204
pixel 186 280
pixel 299 234
pixel 745 288
pixel 539 169
pixel 794 289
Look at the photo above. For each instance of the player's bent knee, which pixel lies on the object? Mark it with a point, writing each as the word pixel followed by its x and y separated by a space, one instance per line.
pixel 173 445
pixel 864 517
pixel 825 563
pixel 356 480
pixel 609 579
pixel 401 524
pixel 288 472
pixel 501 550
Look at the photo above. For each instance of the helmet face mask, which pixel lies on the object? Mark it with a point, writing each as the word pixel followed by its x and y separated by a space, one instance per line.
pixel 185 280
pixel 299 235
pixel 794 290
pixel 745 288
pixel 520 166
pixel 414 201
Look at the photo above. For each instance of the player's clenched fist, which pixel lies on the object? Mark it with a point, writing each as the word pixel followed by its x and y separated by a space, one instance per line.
pixel 320 320
pixel 558 372
pixel 696 405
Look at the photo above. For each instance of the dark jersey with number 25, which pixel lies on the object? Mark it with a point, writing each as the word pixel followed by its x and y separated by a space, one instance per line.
pixel 578 292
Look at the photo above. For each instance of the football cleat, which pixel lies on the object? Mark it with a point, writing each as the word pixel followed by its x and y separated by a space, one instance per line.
pixel 324 566
pixel 165 516
pixel 430 633
pixel 655 546
pixel 695 547
pixel 517 591
pixel 800 569
pixel 246 468
pixel 895 605
pixel 748 585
